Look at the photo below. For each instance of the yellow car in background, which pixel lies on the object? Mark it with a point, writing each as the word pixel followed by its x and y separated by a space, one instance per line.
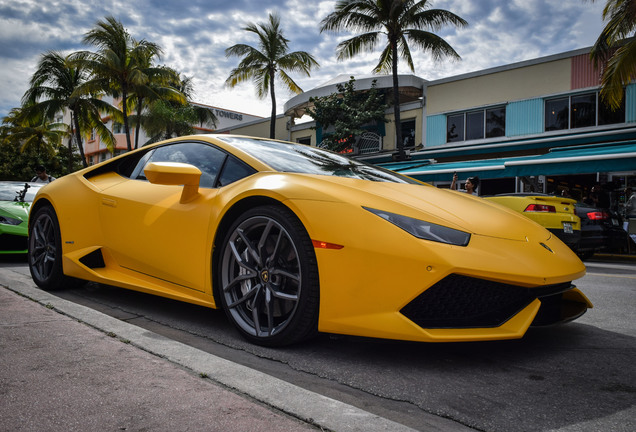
pixel 556 214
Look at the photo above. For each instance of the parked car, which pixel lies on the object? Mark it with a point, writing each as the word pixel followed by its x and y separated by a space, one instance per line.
pixel 556 214
pixel 601 231
pixel 15 200
pixel 290 240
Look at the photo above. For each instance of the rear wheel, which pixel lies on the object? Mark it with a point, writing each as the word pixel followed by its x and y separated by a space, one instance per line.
pixel 268 277
pixel 45 250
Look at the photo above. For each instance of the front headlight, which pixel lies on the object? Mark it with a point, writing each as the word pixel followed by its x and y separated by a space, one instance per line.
pixel 6 220
pixel 424 230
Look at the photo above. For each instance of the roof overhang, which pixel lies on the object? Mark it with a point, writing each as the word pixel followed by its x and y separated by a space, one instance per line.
pixel 411 88
pixel 607 157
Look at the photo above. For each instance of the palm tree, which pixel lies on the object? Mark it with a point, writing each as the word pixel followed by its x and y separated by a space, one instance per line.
pixel 202 115
pixel 401 22
pixel 29 128
pixel 54 88
pixel 157 85
pixel 117 67
pixel 166 118
pixel 271 59
pixel 611 53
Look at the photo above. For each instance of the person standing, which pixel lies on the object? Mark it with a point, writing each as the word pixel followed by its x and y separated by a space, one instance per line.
pixel 41 175
pixel 630 203
pixel 471 185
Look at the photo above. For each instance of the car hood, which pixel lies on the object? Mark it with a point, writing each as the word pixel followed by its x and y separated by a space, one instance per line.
pixel 18 210
pixel 441 206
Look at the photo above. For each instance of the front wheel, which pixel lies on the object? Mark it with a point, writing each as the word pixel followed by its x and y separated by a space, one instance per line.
pixel 45 250
pixel 268 277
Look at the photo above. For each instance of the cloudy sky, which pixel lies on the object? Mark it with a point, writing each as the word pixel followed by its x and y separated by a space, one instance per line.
pixel 195 33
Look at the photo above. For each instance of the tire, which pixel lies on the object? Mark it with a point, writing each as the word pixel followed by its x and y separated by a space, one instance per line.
pixel 45 250
pixel 268 277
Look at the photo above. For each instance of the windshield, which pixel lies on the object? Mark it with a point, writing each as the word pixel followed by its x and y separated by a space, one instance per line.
pixel 300 158
pixel 8 191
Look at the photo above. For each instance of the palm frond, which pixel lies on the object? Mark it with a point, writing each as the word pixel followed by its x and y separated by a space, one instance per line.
pixel 350 48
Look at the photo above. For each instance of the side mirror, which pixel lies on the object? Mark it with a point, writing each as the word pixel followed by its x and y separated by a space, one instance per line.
pixel 175 173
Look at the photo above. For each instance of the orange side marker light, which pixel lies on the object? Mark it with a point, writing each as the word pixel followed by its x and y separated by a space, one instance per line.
pixel 324 245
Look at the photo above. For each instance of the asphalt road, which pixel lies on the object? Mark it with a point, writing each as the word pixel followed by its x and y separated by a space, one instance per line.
pixel 574 377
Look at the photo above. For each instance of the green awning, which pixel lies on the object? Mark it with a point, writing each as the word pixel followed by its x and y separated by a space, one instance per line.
pixel 559 161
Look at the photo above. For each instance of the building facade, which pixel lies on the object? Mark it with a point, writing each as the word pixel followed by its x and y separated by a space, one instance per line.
pixel 532 126
pixel 537 125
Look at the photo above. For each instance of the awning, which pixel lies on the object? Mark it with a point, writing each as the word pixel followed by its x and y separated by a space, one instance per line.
pixel 585 159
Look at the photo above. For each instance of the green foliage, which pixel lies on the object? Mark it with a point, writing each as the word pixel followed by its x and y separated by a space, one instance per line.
pixel 272 59
pixel 400 24
pixel 347 111
pixel 120 67
pixel 19 165
pixel 614 52
pixel 165 120
pixel 55 87
pixel 73 84
pixel 169 117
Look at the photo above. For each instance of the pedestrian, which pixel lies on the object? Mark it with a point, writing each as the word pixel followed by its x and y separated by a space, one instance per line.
pixel 41 175
pixel 471 185
pixel 598 197
pixel 630 203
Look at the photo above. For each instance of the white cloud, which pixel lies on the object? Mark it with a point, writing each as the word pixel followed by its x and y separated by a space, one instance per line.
pixel 195 34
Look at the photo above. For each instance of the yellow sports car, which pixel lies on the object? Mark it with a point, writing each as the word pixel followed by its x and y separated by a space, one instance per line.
pixel 291 240
pixel 556 214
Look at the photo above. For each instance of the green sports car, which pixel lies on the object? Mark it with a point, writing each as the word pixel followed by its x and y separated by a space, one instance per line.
pixel 15 200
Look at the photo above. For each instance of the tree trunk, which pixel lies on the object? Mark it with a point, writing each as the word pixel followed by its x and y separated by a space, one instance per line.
pixel 272 121
pixel 138 125
pixel 78 137
pixel 396 104
pixel 124 110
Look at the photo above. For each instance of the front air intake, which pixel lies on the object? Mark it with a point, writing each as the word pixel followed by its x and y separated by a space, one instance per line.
pixel 465 302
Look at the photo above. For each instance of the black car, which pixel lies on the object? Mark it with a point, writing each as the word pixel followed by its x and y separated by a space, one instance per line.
pixel 601 231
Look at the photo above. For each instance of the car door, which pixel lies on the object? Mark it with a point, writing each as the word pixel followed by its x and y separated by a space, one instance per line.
pixel 149 231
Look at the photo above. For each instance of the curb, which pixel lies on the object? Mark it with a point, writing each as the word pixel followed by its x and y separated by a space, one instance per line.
pixel 312 408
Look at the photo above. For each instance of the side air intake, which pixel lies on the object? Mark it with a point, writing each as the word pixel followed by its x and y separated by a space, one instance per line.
pixel 94 259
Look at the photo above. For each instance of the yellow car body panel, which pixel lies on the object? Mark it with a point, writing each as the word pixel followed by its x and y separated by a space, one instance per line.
pixel 159 237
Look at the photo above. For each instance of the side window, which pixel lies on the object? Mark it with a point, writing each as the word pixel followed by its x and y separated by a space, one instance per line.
pixel 234 170
pixel 207 158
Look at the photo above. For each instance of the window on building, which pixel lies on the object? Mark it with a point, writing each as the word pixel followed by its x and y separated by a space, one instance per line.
pixel 408 132
pixel 607 115
pixel 455 128
pixel 479 124
pixel 578 111
pixel 117 128
pixel 304 140
pixel 556 114
pixel 475 125
pixel 583 113
pixel 495 122
pixel 92 138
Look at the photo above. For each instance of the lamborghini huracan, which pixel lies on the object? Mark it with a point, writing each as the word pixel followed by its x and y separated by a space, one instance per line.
pixel 291 240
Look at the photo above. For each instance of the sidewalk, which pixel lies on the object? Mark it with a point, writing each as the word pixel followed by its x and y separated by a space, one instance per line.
pixel 65 367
